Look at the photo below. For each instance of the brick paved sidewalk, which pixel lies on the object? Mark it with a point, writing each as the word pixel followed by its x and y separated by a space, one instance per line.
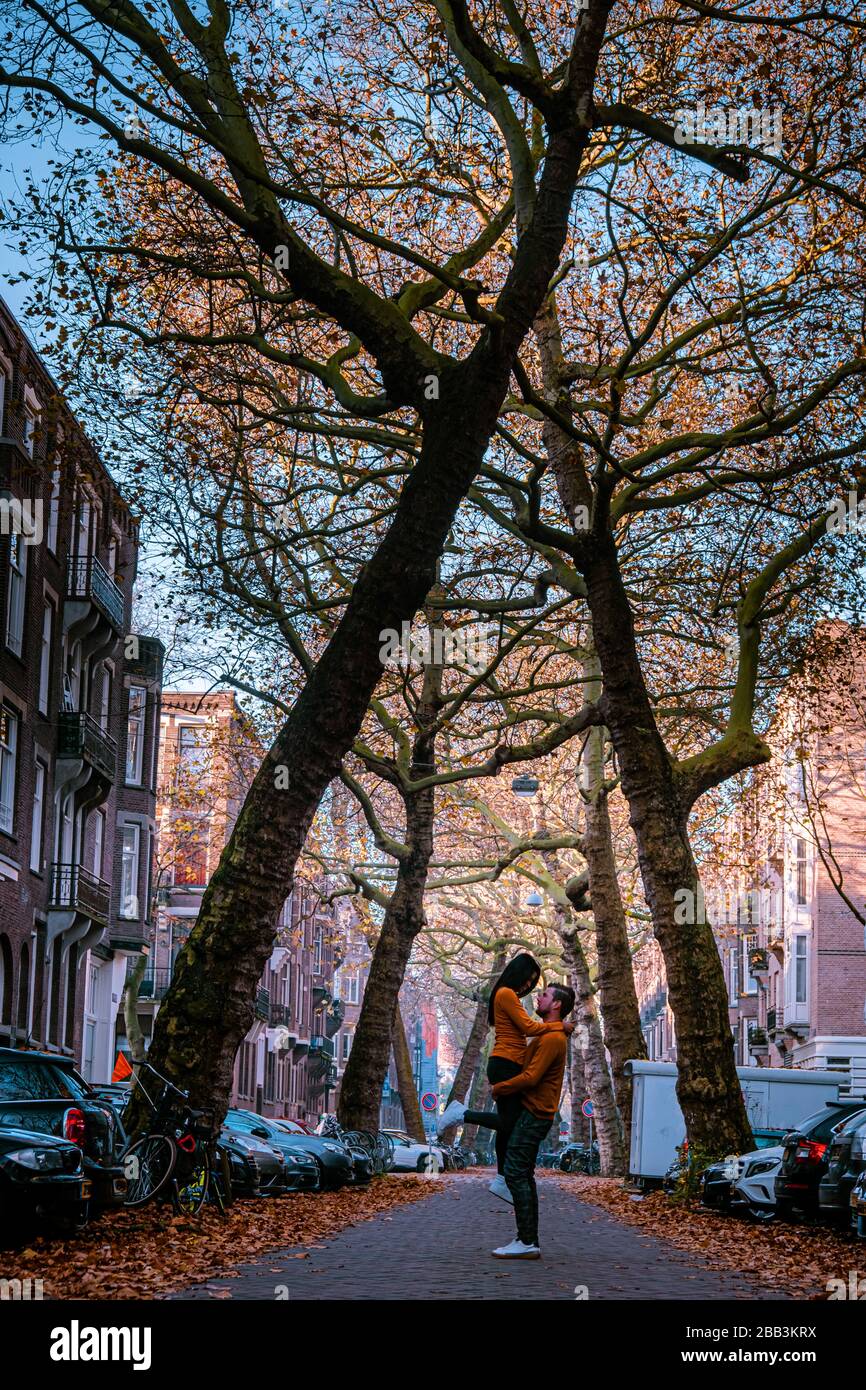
pixel 440 1249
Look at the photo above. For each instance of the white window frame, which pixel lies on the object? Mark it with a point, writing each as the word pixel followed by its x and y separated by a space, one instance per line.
pixel 801 957
pixel 45 656
pixel 17 596
pixel 53 508
pixel 130 840
pixel 106 682
pixel 37 823
pixel 8 767
pixel 98 842
pixel 136 726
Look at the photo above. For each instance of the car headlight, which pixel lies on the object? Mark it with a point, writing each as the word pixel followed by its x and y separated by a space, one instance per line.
pixel 333 1148
pixel 39 1160
pixel 762 1165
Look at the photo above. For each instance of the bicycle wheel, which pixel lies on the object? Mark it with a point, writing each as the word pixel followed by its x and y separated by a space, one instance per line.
pixel 189 1198
pixel 386 1150
pixel 148 1164
pixel 221 1189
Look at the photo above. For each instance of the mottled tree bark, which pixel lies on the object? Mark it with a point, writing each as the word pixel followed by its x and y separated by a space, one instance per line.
pixel 131 1023
pixel 590 1041
pixel 708 1088
pixel 406 1079
pixel 617 995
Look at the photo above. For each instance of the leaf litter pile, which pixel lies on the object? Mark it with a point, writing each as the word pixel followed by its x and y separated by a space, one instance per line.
pixel 150 1252
pixel 796 1259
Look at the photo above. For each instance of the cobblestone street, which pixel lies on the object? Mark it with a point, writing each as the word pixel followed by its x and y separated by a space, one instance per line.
pixel 441 1249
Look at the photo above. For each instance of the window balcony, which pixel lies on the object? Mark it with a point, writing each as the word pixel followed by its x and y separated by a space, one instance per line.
pixel 279 1015
pixel 146 663
pixel 262 1006
pixel 87 580
pixel 74 889
pixel 154 984
pixel 81 737
pixel 322 1047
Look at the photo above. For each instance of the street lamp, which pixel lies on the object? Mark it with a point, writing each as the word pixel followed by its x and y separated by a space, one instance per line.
pixel 535 899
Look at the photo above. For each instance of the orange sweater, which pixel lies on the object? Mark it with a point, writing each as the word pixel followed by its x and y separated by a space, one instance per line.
pixel 540 1083
pixel 513 1026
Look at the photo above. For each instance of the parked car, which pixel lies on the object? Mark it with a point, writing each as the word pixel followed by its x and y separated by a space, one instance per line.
pixel 412 1157
pixel 256 1169
pixel 717 1181
pixel 333 1160
pixel 754 1191
pixel 805 1158
pixel 115 1093
pixel 858 1205
pixel 41 1177
pixel 845 1162
pixel 44 1093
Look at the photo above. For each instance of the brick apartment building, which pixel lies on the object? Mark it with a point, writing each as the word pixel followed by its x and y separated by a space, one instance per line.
pixel 793 950
pixel 79 725
pixel 286 1065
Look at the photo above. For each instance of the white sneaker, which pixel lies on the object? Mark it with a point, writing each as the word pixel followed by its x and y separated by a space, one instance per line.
pixel 451 1115
pixel 499 1188
pixel 518 1251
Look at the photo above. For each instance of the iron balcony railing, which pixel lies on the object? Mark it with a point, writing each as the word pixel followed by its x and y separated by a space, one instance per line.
pixel 775 1019
pixel 81 737
pixel 263 1004
pixel 322 1046
pixel 279 1014
pixel 76 889
pixel 154 984
pixel 88 580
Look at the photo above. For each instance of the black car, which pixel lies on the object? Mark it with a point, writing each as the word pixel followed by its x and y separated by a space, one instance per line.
pixel 805 1159
pixel 43 1093
pixel 256 1169
pixel 845 1162
pixel 41 1177
pixel 334 1160
pixel 717 1180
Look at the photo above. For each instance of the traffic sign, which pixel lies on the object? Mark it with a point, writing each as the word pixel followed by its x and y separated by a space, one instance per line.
pixel 429 1101
pixel 587 1109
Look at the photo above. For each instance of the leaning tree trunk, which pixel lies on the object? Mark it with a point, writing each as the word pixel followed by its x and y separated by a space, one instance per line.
pixel 404 918
pixel 406 1080
pixel 209 1007
pixel 474 1045
pixel 131 1023
pixel 617 995
pixel 577 1089
pixel 708 1088
pixel 590 1042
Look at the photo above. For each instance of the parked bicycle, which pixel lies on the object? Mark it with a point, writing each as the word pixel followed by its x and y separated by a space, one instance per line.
pixel 581 1158
pixel 379 1147
pixel 178 1156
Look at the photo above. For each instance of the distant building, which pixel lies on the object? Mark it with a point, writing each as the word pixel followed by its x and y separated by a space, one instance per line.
pixel 286 1065
pixel 79 727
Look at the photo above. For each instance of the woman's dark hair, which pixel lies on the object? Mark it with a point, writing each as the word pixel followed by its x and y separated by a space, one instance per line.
pixel 520 974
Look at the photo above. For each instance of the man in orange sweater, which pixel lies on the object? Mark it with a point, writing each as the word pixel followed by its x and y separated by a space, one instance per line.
pixel 539 1086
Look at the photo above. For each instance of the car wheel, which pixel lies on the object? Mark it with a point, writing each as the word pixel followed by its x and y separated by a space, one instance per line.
pixel 762 1214
pixel 427 1163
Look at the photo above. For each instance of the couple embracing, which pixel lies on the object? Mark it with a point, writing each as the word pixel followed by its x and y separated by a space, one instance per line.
pixel 526 1081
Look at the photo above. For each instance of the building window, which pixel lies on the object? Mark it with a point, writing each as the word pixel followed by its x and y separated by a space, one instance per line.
pixel 37 825
pixel 347 1044
pixel 318 948
pixel 801 873
pixel 191 751
pixel 98 842
pixel 45 658
pixel 750 984
pixel 190 858
pixel 801 969
pixel 105 697
pixel 53 510
pixel 17 590
pixel 29 432
pixel 8 754
pixel 129 871
pixel 135 733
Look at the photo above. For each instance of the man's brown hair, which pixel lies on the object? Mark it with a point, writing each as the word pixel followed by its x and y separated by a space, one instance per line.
pixel 565 995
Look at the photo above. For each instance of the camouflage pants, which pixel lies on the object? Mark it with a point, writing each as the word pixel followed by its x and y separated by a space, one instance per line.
pixel 523 1146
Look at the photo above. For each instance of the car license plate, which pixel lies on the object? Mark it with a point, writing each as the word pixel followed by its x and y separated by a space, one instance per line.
pixel 86 1188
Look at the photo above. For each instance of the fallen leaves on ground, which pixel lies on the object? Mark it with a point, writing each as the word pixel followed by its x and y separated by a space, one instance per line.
pixel 149 1252
pixel 796 1259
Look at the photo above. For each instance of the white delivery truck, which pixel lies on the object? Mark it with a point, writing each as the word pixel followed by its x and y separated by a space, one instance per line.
pixel 775 1099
